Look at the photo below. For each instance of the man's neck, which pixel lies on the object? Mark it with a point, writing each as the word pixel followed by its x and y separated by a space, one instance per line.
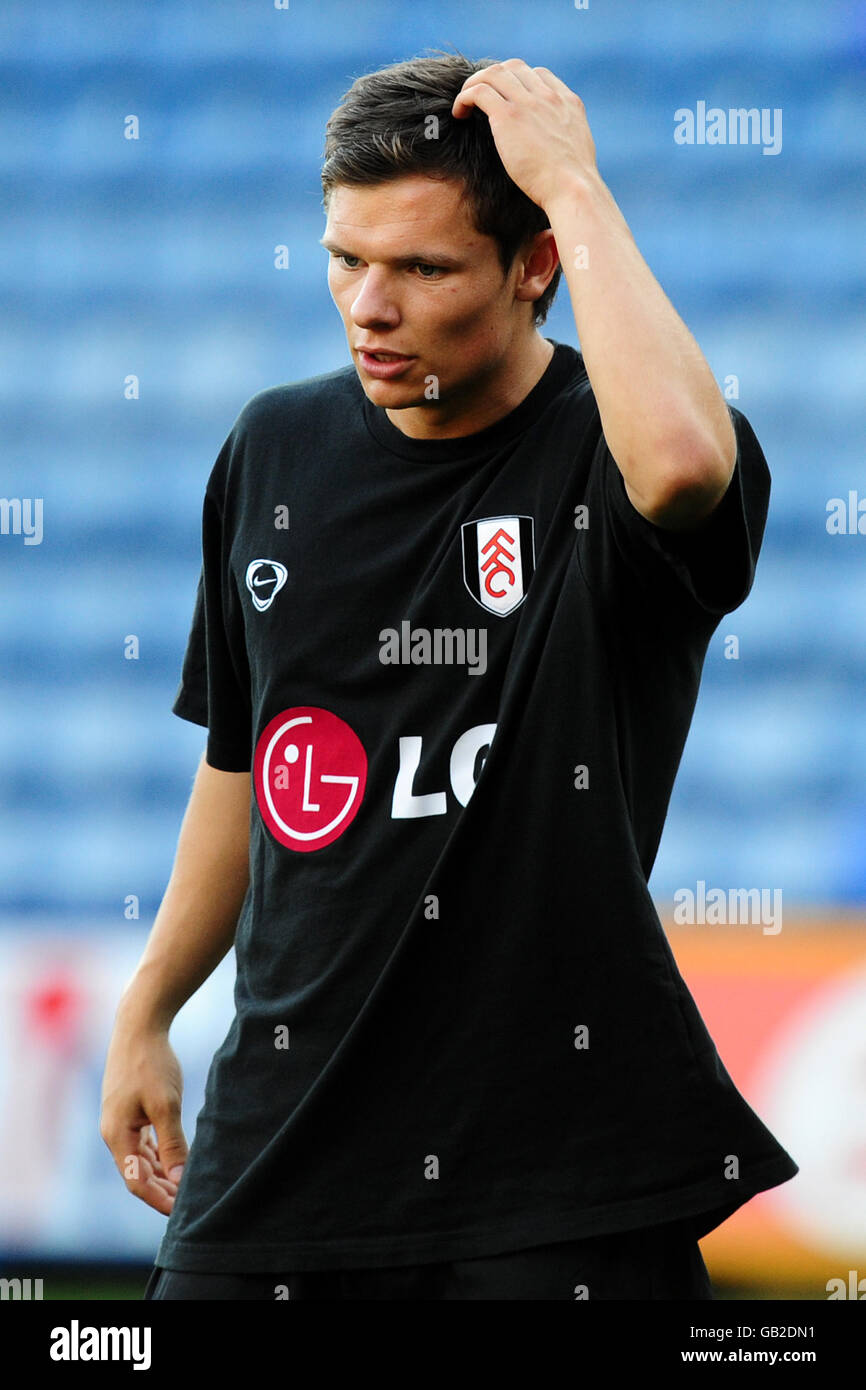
pixel 491 399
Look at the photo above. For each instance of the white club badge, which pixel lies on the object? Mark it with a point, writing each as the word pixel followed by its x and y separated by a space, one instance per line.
pixel 264 580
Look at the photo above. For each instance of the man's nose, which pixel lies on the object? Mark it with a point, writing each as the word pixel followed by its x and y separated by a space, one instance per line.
pixel 375 302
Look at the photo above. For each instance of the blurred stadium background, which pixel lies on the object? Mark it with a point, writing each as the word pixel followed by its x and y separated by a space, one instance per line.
pixel 154 258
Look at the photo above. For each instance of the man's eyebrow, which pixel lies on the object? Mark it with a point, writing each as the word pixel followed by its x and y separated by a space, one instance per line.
pixel 414 257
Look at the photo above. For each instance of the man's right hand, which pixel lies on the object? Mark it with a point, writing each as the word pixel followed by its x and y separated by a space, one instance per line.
pixel 192 932
pixel 143 1086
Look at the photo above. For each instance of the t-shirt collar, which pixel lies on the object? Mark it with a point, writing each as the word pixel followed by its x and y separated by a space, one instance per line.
pixel 481 442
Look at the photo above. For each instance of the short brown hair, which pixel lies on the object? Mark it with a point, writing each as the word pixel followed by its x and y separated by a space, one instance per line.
pixel 382 130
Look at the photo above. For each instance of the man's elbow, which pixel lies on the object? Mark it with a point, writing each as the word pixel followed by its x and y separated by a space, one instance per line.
pixel 687 491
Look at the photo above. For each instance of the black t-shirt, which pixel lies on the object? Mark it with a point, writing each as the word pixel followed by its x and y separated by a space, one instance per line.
pixel 462 673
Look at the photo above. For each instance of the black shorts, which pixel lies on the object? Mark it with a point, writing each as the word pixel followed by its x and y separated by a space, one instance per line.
pixel 655 1262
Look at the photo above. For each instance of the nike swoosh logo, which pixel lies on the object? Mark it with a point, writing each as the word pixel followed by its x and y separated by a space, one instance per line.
pixel 260 583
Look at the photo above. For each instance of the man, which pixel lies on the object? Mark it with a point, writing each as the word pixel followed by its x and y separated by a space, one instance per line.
pixel 454 604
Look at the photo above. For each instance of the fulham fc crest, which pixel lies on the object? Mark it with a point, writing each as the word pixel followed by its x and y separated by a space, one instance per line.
pixel 498 561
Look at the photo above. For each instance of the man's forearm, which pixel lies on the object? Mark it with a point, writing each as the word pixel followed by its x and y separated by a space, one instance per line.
pixel 665 421
pixel 197 918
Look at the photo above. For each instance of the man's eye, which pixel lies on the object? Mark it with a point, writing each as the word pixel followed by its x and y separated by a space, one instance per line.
pixel 427 272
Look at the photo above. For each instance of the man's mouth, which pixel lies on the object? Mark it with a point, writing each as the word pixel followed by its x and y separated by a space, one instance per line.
pixel 383 364
pixel 385 356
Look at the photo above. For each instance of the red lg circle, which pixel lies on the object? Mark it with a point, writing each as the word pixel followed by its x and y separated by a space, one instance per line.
pixel 310 771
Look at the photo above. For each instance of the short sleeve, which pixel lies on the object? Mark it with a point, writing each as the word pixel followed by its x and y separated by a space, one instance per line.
pixel 214 687
pixel 710 567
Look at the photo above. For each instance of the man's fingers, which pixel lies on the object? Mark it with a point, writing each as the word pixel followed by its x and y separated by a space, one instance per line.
pixel 512 77
pixel 156 1166
pixel 165 1185
pixel 482 95
pixel 141 1180
pixel 536 79
pixel 139 1157
pixel 498 80
pixel 551 79
pixel 156 1198
pixel 149 1148
pixel 509 81
pixel 171 1143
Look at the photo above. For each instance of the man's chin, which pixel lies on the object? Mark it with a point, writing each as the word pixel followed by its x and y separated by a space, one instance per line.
pixel 396 394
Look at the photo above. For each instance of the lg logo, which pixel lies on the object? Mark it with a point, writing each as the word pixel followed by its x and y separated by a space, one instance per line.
pixel 464 770
pixel 310 772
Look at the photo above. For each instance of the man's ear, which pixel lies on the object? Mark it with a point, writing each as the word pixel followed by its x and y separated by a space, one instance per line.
pixel 537 262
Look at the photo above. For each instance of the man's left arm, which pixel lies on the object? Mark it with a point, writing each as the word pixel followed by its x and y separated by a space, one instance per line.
pixel 665 421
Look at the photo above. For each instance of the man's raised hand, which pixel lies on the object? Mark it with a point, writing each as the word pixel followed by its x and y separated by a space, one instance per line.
pixel 538 124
